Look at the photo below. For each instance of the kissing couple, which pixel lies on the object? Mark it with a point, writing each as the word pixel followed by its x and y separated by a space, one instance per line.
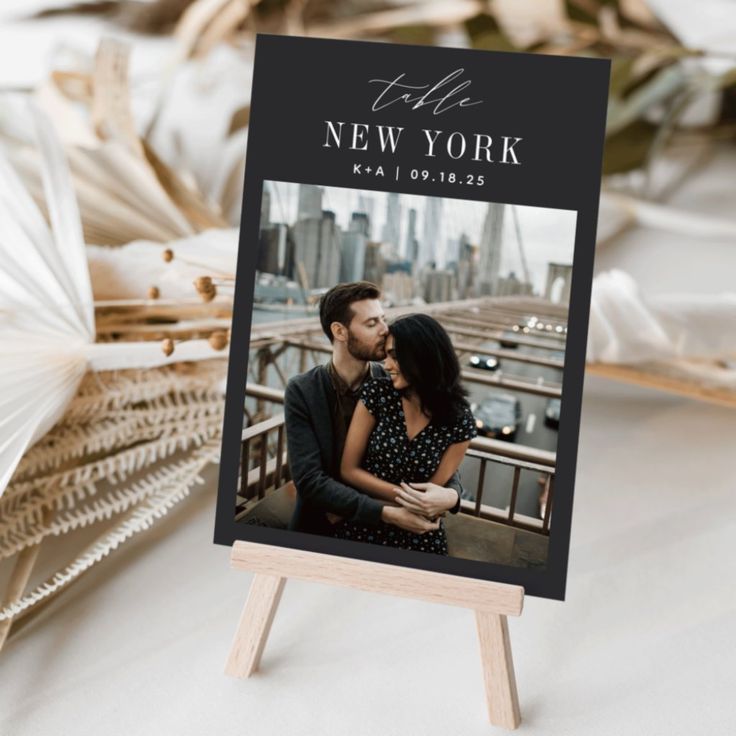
pixel 374 449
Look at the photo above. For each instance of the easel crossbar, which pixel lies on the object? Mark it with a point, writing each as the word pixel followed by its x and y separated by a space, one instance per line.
pixel 480 595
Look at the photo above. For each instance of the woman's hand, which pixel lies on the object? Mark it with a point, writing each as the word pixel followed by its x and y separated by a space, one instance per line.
pixel 407 520
pixel 431 499
pixel 427 499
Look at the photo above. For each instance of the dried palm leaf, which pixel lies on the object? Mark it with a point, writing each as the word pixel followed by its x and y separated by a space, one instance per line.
pixel 529 22
pixel 45 305
pixel 203 24
pixel 121 435
pixel 84 7
pixel 159 16
pixel 126 445
pixel 433 14
pixel 240 119
pixel 638 12
pixel 125 190
pixel 164 494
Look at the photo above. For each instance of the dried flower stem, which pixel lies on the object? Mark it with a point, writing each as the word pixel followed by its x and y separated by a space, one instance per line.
pixel 139 518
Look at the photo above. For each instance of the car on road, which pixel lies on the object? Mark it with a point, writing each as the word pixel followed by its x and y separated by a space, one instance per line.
pixel 518 330
pixel 552 413
pixel 498 416
pixel 505 343
pixel 485 362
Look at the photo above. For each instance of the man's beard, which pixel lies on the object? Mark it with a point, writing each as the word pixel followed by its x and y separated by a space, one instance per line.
pixel 361 351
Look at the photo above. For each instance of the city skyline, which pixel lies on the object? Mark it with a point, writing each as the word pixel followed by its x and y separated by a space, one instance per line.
pixel 547 235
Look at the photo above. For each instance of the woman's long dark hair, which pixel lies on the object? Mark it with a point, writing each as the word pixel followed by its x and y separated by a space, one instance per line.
pixel 428 362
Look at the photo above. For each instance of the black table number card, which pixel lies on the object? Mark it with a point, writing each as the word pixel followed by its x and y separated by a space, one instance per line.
pixel 411 306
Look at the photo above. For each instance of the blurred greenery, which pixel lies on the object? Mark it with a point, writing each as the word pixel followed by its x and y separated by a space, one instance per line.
pixel 418 34
pixel 485 33
pixel 628 148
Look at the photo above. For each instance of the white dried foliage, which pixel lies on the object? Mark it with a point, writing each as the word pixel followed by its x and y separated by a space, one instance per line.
pixel 94 432
pixel 131 445
pixel 139 517
pixel 110 407
pixel 101 392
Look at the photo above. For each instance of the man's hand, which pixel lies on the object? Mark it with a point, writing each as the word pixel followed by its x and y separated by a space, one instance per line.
pixel 407 520
pixel 427 499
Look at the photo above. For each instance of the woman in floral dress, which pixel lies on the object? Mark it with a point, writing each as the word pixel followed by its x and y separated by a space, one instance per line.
pixel 413 426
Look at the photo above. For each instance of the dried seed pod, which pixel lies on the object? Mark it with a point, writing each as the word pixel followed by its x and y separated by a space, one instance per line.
pixel 202 283
pixel 205 288
pixel 218 340
pixel 153 292
pixel 167 346
pixel 168 255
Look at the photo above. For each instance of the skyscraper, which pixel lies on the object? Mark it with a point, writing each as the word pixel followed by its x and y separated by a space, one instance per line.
pixel 439 286
pixel 375 264
pixel 511 285
pixel 391 229
pixel 397 288
pixel 330 252
pixel 466 267
pixel 317 250
pixel 265 208
pixel 490 249
pixel 354 240
pixel 360 223
pixel 411 244
pixel 352 263
pixel 273 249
pixel 367 204
pixel 429 245
pixel 310 202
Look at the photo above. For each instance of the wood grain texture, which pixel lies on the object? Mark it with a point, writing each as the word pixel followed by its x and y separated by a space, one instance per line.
pixel 481 595
pixel 498 670
pixel 254 625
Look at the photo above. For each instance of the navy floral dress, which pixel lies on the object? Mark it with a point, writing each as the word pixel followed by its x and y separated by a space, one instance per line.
pixel 393 457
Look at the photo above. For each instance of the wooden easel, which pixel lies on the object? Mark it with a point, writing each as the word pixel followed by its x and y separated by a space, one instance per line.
pixel 492 603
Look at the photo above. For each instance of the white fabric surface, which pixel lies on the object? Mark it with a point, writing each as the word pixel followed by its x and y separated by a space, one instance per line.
pixel 643 645
pixel 626 327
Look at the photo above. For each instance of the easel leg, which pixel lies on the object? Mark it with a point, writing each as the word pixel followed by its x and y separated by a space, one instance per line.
pixel 498 670
pixel 254 625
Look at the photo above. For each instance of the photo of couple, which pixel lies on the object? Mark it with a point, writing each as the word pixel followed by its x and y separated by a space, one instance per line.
pixel 374 447
pixel 404 375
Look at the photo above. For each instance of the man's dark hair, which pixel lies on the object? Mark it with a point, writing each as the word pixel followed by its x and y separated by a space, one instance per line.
pixel 430 366
pixel 336 304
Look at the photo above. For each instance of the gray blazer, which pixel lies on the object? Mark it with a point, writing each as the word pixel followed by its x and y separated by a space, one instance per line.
pixel 312 457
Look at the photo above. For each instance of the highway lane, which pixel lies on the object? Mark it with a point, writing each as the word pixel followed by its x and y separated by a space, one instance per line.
pixel 532 432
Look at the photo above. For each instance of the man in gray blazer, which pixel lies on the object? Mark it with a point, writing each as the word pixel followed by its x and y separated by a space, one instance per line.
pixel 318 407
